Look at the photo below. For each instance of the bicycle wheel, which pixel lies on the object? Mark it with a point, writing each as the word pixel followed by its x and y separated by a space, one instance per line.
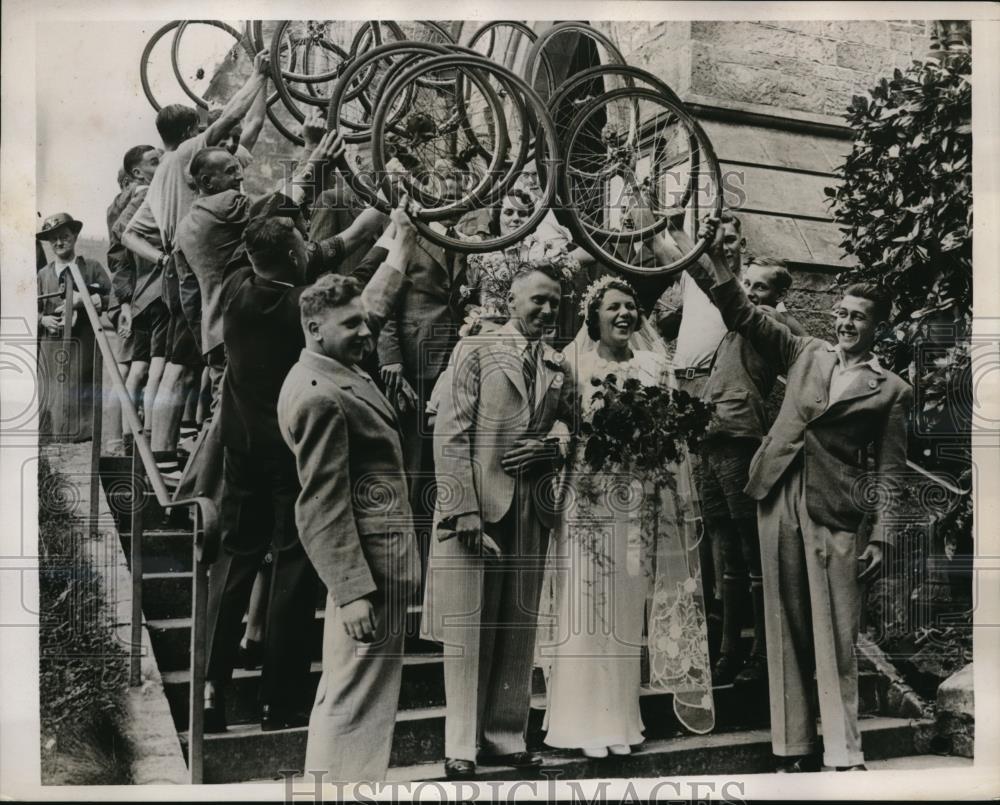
pixel 203 66
pixel 629 155
pixel 306 57
pixel 532 67
pixel 147 86
pixel 432 136
pixel 581 88
pixel 352 112
pixel 476 69
pixel 501 40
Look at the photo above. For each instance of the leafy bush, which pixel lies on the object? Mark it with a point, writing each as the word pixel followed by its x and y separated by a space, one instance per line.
pixel 905 208
pixel 83 672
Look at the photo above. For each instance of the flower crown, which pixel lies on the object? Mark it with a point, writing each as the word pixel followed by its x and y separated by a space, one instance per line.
pixel 595 289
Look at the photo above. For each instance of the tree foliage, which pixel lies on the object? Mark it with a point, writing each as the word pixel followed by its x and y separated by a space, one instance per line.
pixel 904 205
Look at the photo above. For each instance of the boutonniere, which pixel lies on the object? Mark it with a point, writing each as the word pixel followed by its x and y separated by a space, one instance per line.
pixel 553 360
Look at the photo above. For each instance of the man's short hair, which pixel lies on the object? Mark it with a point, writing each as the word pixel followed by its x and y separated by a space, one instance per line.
pixel 779 271
pixel 729 217
pixel 203 158
pixel 173 122
pixel 874 294
pixel 134 156
pixel 542 267
pixel 329 291
pixel 269 240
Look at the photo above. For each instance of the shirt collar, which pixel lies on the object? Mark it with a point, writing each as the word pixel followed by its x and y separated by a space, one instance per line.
pixel 517 339
pixel 872 363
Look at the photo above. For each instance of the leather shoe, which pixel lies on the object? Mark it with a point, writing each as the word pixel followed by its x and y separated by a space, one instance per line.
pixel 215 710
pixel 855 767
pixel 755 670
pixel 518 760
pixel 458 769
pixel 278 718
pixel 798 765
pixel 725 669
pixel 251 654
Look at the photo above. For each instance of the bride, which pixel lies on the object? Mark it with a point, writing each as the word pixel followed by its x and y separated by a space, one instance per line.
pixel 612 554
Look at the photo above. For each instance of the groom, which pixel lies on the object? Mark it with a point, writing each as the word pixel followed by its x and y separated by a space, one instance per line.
pixel 493 461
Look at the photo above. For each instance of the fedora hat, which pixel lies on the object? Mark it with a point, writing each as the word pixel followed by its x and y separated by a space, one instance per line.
pixel 53 222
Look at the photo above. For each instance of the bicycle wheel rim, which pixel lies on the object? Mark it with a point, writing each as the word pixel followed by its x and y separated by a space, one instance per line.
pixel 584 234
pixel 532 60
pixel 175 51
pixel 360 133
pixel 291 96
pixel 144 62
pixel 489 177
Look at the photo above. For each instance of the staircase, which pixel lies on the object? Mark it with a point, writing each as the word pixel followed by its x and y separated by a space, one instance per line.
pixel 740 743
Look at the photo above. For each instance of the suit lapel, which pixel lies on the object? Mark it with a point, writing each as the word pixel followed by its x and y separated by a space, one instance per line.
pixel 863 384
pixel 509 358
pixel 435 254
pixel 349 380
pixel 365 390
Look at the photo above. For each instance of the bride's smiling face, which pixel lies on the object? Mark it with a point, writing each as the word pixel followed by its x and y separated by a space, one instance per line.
pixel 617 317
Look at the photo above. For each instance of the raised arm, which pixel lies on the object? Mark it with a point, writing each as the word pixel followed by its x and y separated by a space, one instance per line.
pixel 237 107
pixel 381 295
pixel 769 337
pixel 253 123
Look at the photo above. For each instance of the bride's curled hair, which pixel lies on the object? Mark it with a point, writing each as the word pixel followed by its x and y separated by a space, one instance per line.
pixel 594 297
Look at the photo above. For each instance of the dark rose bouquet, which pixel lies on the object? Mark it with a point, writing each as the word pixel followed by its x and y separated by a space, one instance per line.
pixel 641 429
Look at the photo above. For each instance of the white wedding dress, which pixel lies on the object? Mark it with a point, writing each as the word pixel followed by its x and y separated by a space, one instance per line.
pixel 622 544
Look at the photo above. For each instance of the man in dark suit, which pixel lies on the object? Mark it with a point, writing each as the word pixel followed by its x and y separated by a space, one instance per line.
pixel 262 335
pixel 353 513
pixel 739 382
pixel 841 408
pixel 66 407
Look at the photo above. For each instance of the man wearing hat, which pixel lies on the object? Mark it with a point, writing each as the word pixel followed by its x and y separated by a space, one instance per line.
pixel 72 387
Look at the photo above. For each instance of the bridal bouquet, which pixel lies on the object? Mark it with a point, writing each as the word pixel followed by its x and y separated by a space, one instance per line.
pixel 641 429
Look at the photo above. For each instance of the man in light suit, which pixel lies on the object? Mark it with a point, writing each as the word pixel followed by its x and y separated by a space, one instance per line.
pixel 353 513
pixel 493 462
pixel 841 408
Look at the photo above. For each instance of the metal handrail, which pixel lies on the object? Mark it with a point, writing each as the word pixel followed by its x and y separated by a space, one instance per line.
pixel 204 510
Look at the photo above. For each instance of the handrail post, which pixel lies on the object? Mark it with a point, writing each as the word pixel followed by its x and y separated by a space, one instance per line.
pixel 62 428
pixel 97 390
pixel 138 503
pixel 196 699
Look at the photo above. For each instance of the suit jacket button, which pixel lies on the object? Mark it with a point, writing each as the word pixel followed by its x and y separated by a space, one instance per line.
pixel 819 399
pixel 872 384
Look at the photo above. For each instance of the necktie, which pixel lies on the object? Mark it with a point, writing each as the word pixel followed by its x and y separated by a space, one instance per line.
pixel 529 368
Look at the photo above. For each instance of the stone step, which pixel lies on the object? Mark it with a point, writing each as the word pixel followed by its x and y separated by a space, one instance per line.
pixel 718 753
pixel 246 753
pixel 422 686
pixel 116 480
pixel 171 638
pixel 168 594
